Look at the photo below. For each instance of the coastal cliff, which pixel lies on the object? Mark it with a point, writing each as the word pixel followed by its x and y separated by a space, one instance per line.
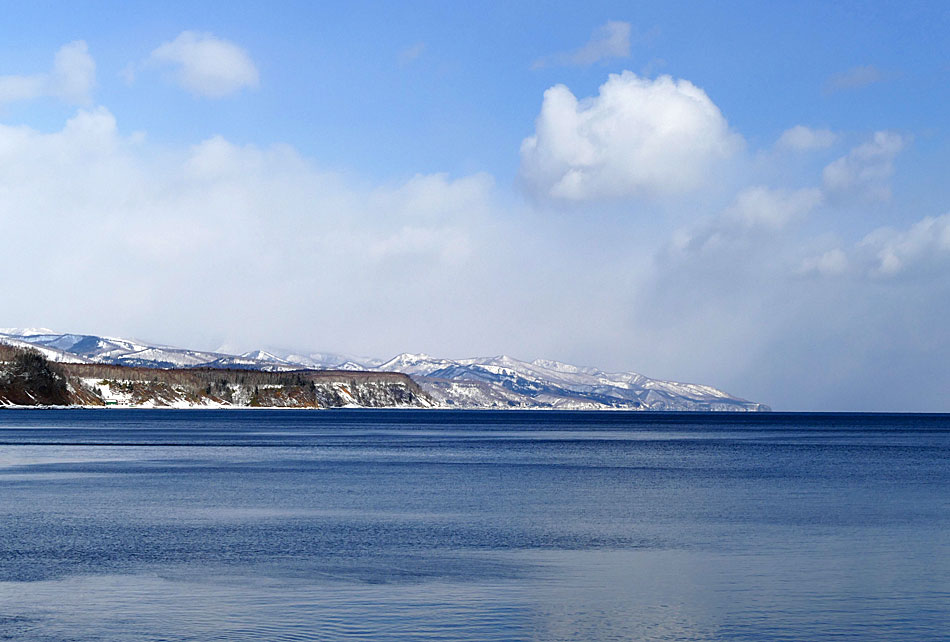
pixel 28 379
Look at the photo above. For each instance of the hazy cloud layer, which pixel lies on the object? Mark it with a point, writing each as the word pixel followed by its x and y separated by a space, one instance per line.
pixel 206 65
pixel 71 79
pixel 637 137
pixel 120 236
pixel 610 40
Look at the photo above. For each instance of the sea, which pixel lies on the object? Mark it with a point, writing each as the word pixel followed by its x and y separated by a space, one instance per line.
pixel 174 525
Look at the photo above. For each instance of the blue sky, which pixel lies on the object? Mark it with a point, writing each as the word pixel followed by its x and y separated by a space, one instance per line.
pixel 751 195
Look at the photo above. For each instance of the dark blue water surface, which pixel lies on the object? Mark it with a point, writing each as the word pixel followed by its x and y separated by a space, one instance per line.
pixel 442 525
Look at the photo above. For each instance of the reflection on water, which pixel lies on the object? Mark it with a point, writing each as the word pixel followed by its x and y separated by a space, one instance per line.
pixel 215 525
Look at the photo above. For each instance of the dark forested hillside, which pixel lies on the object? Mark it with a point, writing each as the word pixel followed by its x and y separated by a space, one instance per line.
pixel 27 378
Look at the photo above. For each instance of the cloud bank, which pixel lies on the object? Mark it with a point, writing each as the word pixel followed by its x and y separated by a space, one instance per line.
pixel 118 236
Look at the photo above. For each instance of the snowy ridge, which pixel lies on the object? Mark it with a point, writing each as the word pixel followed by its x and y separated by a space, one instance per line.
pixel 485 382
pixel 50 353
pixel 505 382
pixel 83 348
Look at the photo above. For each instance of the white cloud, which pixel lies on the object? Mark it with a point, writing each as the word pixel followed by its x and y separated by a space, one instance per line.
pixel 801 139
pixel 206 65
pixel 610 40
pixel 71 80
pixel 638 137
pixel 854 78
pixel 866 170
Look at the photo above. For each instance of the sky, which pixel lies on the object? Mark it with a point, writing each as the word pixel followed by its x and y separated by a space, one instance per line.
pixel 749 195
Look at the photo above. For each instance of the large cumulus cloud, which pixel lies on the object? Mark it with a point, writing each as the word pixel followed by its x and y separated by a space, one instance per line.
pixel 637 137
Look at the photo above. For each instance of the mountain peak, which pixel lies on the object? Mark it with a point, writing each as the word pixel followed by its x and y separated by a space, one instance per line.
pixel 261 355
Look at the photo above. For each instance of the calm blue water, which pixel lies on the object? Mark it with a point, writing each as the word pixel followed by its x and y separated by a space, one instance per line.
pixel 392 525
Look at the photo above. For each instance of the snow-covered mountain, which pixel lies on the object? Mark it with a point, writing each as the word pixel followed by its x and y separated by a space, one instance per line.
pixel 504 382
pixel 492 382
pixel 84 348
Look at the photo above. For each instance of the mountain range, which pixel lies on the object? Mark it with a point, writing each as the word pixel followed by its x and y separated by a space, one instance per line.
pixel 491 382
